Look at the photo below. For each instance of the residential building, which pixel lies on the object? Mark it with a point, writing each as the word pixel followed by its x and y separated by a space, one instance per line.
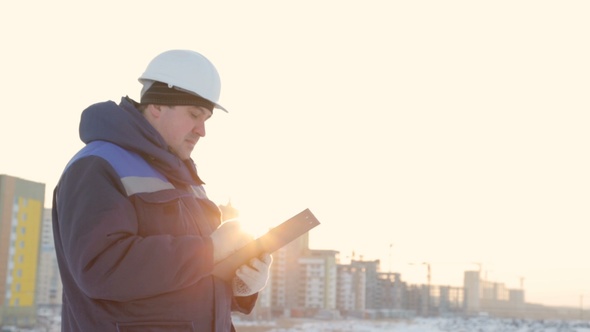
pixel 472 286
pixel 351 290
pixel 450 299
pixel 390 290
pixel 49 286
pixel 284 277
pixel 21 212
pixel 318 280
pixel 372 281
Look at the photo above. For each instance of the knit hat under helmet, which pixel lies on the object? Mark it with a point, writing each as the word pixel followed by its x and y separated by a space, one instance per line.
pixel 161 94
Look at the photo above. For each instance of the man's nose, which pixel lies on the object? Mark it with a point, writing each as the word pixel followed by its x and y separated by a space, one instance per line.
pixel 199 129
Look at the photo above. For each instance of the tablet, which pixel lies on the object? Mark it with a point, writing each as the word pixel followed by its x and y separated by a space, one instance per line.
pixel 271 241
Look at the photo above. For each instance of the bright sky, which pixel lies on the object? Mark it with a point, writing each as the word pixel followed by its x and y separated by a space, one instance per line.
pixel 456 131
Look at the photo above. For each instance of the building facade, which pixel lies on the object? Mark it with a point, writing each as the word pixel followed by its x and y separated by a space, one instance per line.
pixel 285 277
pixel 471 284
pixel 372 281
pixel 49 286
pixel 21 213
pixel 351 290
pixel 317 282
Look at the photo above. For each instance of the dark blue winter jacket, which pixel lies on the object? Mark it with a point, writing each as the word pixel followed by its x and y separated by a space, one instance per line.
pixel 132 223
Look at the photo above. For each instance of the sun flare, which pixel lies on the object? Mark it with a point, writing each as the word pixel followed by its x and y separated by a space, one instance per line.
pixel 252 221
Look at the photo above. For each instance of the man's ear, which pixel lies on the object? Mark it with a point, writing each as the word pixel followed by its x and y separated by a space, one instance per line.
pixel 154 110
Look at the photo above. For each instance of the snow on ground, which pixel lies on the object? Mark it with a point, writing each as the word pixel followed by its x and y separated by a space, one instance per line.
pixel 479 324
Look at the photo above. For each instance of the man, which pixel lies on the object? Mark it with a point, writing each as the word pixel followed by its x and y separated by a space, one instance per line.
pixel 135 234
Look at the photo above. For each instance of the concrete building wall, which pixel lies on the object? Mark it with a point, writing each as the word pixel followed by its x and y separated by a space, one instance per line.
pixel 351 288
pixel 21 210
pixel 312 283
pixel 285 276
pixel 49 292
pixel 318 280
pixel 472 286
pixel 372 281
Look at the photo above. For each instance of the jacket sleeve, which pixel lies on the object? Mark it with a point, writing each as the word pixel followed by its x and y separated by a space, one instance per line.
pixel 108 260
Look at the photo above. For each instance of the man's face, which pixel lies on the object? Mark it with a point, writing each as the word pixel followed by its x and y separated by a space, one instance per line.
pixel 181 126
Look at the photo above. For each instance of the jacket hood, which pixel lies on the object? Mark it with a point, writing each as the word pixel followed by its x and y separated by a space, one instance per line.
pixel 125 126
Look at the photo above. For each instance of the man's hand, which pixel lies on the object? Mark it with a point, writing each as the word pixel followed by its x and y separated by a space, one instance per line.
pixel 228 238
pixel 251 278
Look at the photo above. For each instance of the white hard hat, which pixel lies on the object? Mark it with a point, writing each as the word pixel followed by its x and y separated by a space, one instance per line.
pixel 184 70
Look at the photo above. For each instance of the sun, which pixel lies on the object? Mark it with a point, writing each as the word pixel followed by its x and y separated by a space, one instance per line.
pixel 254 221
